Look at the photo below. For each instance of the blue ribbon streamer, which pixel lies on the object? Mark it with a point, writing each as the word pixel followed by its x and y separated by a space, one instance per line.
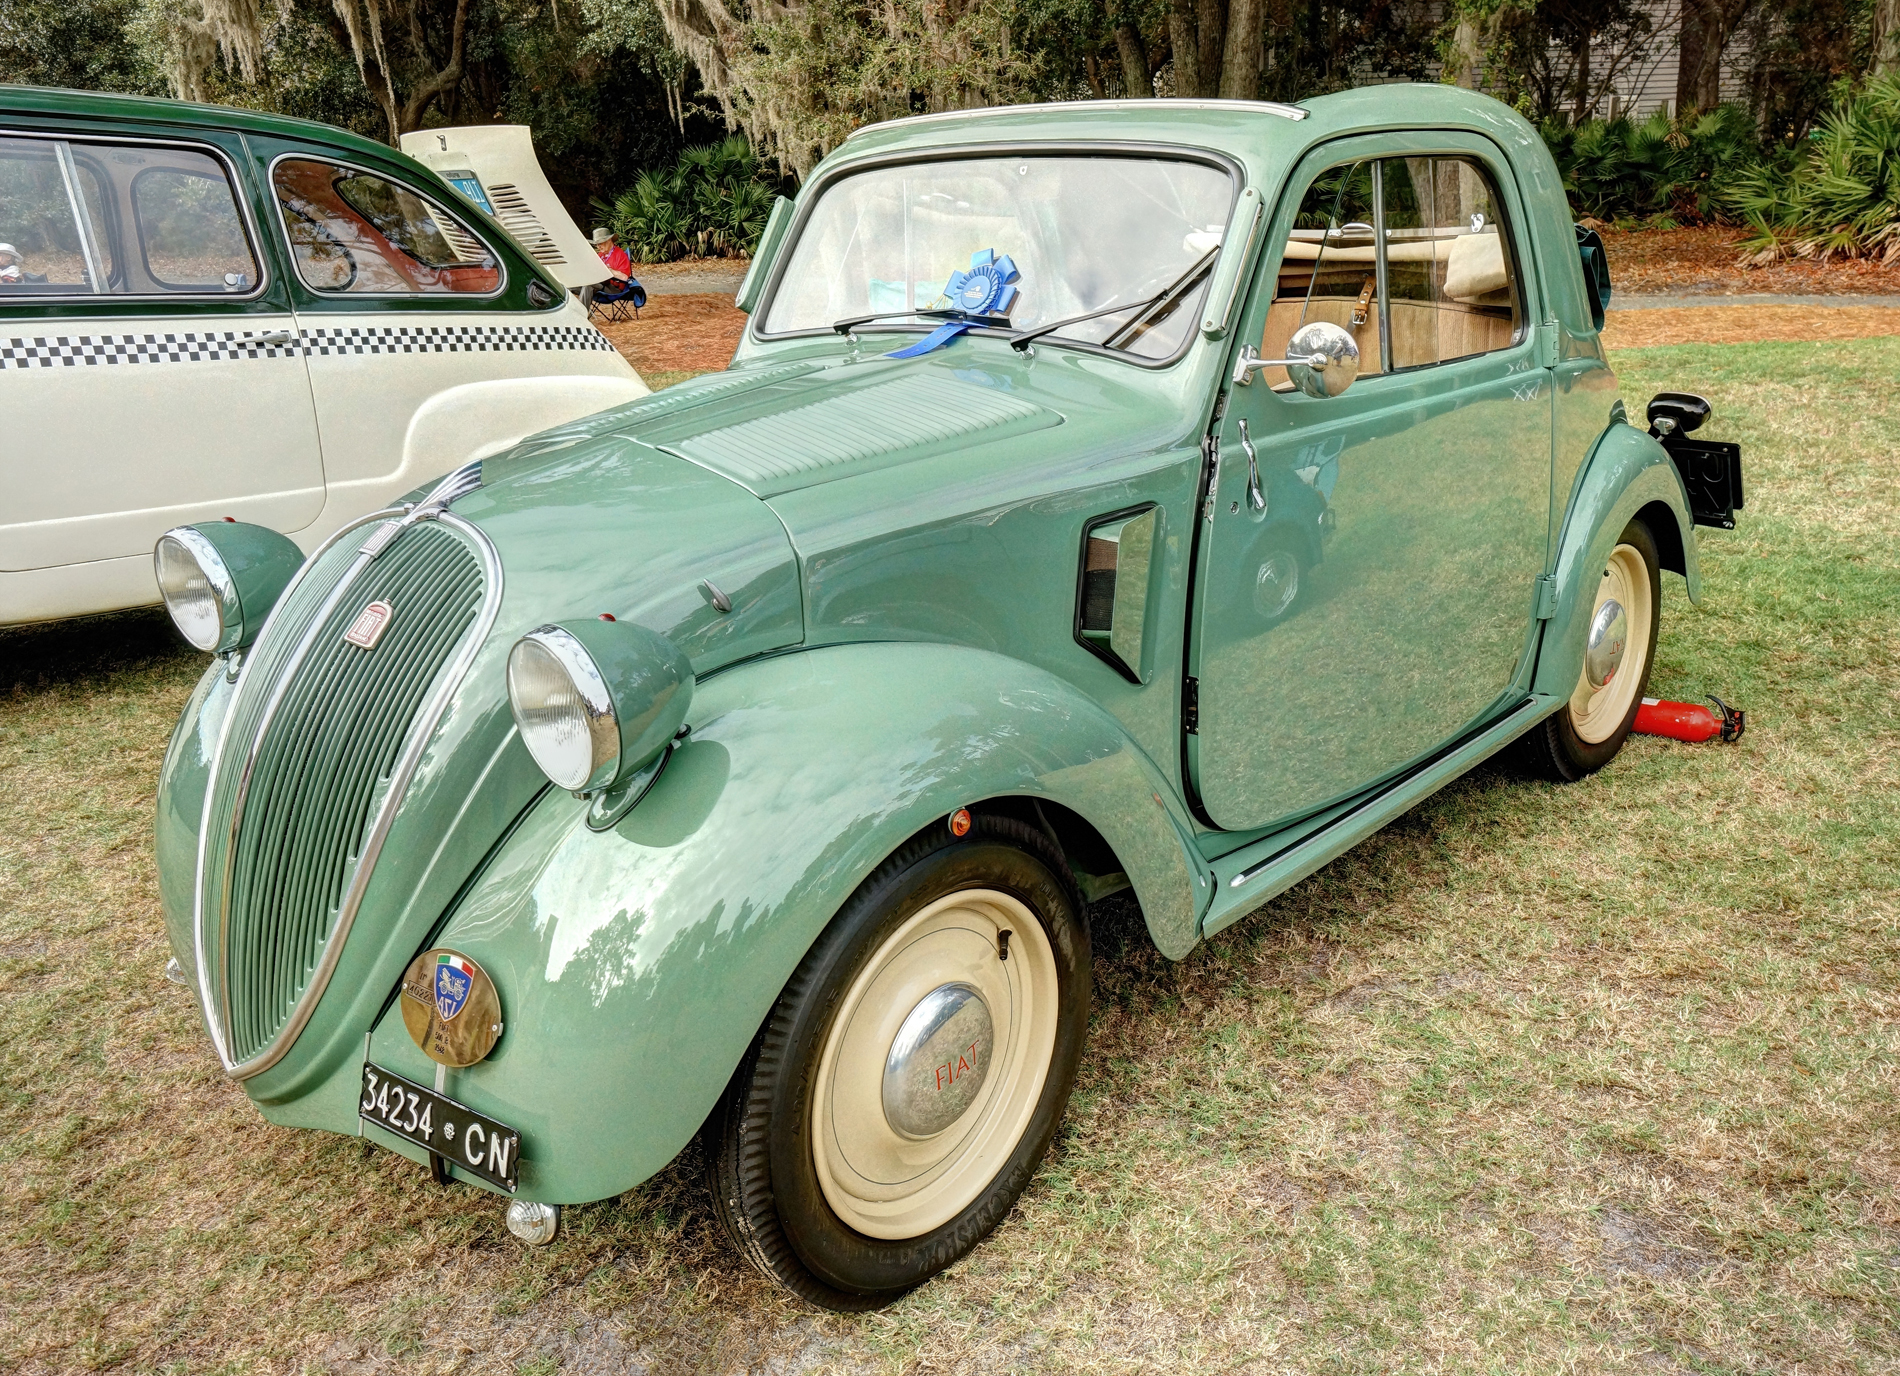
pixel 936 339
pixel 988 286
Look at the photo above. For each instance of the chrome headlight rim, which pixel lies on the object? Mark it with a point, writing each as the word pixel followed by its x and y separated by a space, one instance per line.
pixel 594 699
pixel 217 574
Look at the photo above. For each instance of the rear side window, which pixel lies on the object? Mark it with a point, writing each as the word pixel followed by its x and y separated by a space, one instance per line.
pixel 189 229
pixel 357 233
pixel 88 219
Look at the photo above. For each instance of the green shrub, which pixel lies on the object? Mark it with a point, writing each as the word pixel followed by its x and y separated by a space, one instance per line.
pixel 1667 171
pixel 713 202
pixel 1843 198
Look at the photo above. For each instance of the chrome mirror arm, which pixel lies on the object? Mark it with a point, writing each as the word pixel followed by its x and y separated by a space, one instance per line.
pixel 1250 361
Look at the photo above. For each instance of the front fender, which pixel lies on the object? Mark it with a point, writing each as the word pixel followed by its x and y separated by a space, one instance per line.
pixel 1627 473
pixel 635 965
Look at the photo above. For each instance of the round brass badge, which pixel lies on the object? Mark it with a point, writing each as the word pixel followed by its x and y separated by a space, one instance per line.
pixel 450 1007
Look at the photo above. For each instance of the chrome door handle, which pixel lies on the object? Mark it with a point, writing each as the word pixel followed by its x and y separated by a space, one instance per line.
pixel 1255 497
pixel 275 339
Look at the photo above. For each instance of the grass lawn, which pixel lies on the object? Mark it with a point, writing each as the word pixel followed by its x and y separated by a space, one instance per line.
pixel 1597 1078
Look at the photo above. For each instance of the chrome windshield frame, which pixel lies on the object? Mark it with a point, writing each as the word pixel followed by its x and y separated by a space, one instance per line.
pixel 964 152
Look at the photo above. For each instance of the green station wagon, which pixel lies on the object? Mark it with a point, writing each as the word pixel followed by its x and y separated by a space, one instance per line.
pixel 1153 495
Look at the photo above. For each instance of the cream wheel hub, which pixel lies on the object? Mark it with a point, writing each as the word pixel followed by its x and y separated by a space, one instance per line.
pixel 938 1062
pixel 934 1064
pixel 1616 649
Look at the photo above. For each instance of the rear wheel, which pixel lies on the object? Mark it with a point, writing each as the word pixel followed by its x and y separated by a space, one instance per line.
pixel 910 1077
pixel 1619 645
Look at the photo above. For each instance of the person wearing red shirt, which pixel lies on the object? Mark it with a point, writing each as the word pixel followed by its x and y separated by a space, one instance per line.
pixel 614 256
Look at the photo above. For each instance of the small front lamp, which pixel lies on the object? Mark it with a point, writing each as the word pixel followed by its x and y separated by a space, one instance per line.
pixel 220 580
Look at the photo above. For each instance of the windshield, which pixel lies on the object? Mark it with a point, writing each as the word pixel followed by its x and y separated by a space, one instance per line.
pixel 1082 233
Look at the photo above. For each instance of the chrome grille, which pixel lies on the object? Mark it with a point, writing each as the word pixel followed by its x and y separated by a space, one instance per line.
pixel 316 735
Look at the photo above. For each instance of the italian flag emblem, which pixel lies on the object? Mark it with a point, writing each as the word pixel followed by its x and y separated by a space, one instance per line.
pixel 454 978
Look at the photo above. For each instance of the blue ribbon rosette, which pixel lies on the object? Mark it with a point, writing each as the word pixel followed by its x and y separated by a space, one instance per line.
pixel 987 288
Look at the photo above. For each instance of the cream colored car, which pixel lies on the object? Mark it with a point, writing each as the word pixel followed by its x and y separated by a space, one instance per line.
pixel 220 313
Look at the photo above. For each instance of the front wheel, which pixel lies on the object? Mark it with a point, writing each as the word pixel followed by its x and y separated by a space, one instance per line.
pixel 1619 646
pixel 910 1077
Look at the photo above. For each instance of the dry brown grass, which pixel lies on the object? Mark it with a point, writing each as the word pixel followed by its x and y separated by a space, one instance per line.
pixel 1589 1079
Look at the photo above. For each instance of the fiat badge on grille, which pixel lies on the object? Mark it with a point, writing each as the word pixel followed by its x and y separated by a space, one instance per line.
pixel 369 625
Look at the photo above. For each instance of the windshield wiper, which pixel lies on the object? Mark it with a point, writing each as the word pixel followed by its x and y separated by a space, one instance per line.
pixel 1000 322
pixel 1165 297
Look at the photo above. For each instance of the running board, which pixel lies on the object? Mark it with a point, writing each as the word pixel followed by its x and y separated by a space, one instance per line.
pixel 1253 874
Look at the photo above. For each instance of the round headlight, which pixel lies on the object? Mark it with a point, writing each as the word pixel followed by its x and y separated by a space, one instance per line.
pixel 564 710
pixel 198 589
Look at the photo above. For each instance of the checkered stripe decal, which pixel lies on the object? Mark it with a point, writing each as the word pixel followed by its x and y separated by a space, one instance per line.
pixel 214 346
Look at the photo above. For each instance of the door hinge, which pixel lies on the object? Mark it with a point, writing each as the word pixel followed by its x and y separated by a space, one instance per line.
pixel 1191 705
pixel 1548 341
pixel 1547 597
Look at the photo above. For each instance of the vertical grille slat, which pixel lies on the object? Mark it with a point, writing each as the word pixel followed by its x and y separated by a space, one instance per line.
pixel 322 762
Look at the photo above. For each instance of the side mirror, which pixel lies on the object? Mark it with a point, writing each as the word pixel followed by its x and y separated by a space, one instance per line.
pixel 1322 359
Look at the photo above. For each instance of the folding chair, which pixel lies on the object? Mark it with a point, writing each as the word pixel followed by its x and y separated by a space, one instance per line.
pixel 611 304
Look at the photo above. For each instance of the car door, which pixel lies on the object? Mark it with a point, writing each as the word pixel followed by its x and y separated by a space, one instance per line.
pixel 1369 596
pixel 151 373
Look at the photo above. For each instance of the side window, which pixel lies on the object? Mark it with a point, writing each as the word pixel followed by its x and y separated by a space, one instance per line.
pixel 189 231
pixel 81 219
pixel 1330 270
pixel 1448 268
pixel 358 233
pixel 41 252
pixel 1448 290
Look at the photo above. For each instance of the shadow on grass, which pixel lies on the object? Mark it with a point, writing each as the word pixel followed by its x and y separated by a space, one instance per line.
pixel 90 651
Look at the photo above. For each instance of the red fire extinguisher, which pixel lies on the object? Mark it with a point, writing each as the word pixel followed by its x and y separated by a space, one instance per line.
pixel 1689 721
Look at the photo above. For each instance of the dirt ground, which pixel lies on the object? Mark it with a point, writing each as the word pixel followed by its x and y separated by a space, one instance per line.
pixel 1696 262
pixel 676 334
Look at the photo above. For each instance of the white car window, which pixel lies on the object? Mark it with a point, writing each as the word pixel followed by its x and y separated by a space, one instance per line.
pixel 355 232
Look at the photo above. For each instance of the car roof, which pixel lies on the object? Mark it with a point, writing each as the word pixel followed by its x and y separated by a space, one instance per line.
pixel 1259 134
pixel 107 108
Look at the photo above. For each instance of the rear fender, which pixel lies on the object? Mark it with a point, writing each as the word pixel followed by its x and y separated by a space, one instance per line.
pixel 635 965
pixel 1628 474
pixel 476 419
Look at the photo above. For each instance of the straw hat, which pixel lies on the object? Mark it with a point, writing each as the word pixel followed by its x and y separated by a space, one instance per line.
pixel 601 236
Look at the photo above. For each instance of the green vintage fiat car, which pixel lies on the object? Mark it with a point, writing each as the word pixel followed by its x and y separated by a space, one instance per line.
pixel 1158 495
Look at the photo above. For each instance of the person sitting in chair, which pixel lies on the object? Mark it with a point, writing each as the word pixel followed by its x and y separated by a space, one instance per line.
pixel 11 269
pixel 611 298
pixel 614 256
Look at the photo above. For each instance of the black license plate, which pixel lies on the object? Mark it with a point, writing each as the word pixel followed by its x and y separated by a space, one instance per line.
pixel 469 1140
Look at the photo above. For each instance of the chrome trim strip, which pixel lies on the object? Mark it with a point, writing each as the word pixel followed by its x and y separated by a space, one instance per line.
pixel 1129 104
pixel 421 732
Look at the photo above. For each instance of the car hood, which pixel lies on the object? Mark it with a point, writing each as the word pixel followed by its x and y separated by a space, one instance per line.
pixel 774 429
